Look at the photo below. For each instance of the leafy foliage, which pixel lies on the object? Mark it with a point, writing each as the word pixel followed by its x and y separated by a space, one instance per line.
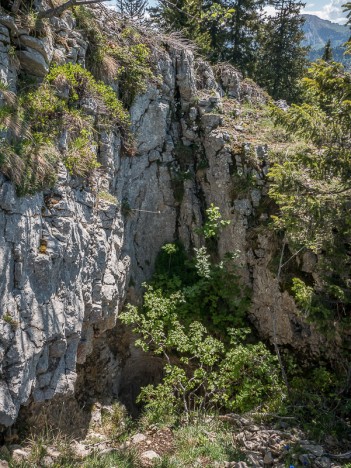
pixel 213 223
pixel 202 372
pixel 206 375
pixel 312 186
pixel 213 292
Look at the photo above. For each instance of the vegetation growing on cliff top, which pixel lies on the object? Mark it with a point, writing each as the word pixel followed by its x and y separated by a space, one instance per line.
pixel 123 58
pixel 36 119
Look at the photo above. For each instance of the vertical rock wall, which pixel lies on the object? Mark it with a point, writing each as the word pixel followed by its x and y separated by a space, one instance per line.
pixel 56 302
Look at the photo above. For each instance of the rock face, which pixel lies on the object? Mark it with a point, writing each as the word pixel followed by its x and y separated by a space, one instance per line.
pixel 57 302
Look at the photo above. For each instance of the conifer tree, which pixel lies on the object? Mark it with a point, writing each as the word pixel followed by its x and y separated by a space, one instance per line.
pixel 244 33
pixel 133 9
pixel 204 22
pixel 328 52
pixel 282 59
pixel 312 185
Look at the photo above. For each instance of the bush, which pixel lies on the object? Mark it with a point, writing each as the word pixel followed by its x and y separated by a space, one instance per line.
pixel 126 58
pixel 205 374
pixel 213 292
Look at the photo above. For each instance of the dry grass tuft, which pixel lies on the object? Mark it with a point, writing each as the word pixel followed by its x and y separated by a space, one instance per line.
pixel 107 69
pixel 12 165
pixel 9 97
pixel 33 169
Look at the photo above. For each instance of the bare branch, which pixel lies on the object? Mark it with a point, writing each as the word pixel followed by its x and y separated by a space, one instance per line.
pixel 60 9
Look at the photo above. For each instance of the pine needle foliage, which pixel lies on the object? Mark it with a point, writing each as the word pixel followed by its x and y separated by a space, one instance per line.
pixel 312 186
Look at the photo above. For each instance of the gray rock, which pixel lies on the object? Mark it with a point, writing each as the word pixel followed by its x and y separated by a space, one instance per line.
pixel 322 462
pixel 316 450
pixel 268 459
pixel 33 62
pixel 150 455
pixel 9 22
pixel 137 438
pixel 48 461
pixel 7 408
pixel 20 455
pixel 43 46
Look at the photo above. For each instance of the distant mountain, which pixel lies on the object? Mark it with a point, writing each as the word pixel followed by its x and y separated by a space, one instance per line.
pixel 317 32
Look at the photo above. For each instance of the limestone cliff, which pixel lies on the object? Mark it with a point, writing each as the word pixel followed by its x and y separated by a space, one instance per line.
pixel 57 302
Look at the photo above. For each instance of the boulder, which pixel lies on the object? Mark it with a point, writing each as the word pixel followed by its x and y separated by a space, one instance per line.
pixel 33 62
pixel 150 455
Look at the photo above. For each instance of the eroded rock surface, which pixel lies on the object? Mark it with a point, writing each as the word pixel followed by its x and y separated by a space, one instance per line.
pixel 68 257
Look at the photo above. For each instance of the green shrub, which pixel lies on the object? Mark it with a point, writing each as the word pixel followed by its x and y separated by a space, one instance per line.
pixel 126 58
pixel 82 84
pixel 206 374
pixel 33 123
pixel 214 293
pixel 319 400
pixel 214 222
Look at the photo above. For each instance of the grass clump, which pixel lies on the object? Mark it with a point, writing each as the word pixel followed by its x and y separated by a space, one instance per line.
pixel 80 158
pixel 31 166
pixel 10 320
pixel 60 106
pixel 40 445
pixel 126 59
pixel 201 444
pixel 108 197
pixel 116 423
pixel 121 459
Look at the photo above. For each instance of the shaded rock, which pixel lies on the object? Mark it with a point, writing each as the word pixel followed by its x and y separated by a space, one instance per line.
pixel 43 46
pixel 304 459
pixel 316 450
pixel 33 62
pixel 4 451
pixel 322 462
pixel 268 458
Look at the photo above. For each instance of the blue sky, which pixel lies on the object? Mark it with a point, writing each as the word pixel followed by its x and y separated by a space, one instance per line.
pixel 326 9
